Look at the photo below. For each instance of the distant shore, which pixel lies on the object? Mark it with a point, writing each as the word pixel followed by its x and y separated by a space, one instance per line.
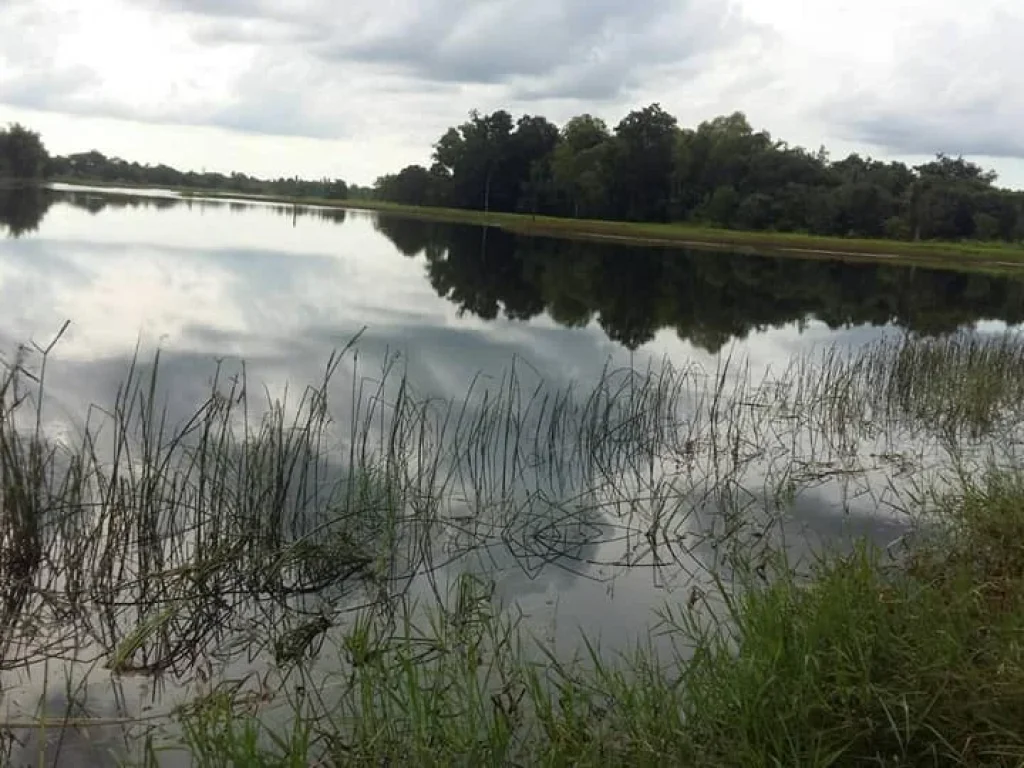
pixel 965 256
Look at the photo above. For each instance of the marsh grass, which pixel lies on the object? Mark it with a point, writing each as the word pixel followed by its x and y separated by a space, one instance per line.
pixel 289 531
pixel 868 663
pixel 963 385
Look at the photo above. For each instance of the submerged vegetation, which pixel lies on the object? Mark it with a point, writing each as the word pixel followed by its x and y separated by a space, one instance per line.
pixel 318 579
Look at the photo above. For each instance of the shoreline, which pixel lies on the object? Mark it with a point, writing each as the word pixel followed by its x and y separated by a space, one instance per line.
pixel 968 257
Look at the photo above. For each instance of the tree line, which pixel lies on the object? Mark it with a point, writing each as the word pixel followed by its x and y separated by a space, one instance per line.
pixel 647 169
pixel 23 207
pixel 722 173
pixel 24 157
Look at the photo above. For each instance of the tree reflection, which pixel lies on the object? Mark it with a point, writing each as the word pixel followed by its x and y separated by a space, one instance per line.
pixel 708 298
pixel 22 208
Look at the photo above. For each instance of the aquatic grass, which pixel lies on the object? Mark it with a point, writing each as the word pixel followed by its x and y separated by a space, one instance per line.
pixel 149 535
pixel 165 544
pixel 964 385
pixel 910 664
pixel 216 734
pixel 866 662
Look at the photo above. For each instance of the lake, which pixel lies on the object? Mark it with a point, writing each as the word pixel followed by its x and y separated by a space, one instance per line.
pixel 578 425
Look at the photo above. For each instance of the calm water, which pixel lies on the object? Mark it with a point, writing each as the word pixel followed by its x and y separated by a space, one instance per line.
pixel 450 306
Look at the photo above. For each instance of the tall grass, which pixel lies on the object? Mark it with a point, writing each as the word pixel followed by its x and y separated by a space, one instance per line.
pixel 259 555
pixel 868 663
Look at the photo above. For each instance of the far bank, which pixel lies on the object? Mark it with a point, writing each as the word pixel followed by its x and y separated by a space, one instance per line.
pixel 962 256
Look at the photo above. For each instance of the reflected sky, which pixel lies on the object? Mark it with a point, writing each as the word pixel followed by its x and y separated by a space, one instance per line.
pixel 212 279
pixel 281 289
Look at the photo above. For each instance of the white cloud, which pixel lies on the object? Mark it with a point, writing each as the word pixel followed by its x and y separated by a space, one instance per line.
pixel 316 87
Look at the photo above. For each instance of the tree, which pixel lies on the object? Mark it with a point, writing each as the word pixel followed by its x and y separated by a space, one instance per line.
pixel 410 186
pixel 473 155
pixel 526 169
pixel 580 167
pixel 644 148
pixel 22 153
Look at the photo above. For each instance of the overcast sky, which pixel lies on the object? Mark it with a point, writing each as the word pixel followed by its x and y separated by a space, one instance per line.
pixel 356 88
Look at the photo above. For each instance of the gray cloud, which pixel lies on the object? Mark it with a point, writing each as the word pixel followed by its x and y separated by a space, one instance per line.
pixel 581 49
pixel 566 48
pixel 954 88
pixel 318 69
pixel 952 133
pixel 47 89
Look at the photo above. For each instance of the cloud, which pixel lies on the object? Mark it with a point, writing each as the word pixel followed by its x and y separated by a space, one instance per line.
pixel 384 78
pixel 954 85
pixel 582 49
pixel 319 69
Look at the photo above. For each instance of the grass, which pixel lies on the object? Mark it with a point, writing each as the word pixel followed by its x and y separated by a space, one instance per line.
pixel 964 255
pixel 298 572
pixel 865 663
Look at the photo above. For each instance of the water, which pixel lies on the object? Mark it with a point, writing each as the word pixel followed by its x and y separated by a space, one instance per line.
pixel 455 309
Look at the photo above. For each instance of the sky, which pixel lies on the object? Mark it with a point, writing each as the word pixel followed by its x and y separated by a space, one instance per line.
pixel 359 88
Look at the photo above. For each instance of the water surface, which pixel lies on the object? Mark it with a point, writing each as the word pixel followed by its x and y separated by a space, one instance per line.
pixel 455 309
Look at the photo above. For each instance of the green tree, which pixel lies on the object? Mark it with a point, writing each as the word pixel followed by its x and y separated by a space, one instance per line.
pixel 22 153
pixel 473 154
pixel 580 167
pixel 645 143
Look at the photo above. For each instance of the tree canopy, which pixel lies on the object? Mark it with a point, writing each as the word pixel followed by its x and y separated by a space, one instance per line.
pixel 723 172
pixel 22 154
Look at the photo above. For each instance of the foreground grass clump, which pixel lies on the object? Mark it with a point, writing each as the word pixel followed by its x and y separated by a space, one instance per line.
pixel 918 663
pixel 867 662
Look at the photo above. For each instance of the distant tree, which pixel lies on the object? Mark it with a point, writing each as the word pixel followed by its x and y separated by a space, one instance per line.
pixel 526 170
pixel 473 155
pixel 645 143
pixel 580 167
pixel 95 166
pixel 410 186
pixel 22 153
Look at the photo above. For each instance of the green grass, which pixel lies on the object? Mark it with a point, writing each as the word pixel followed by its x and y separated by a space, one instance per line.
pixel 863 662
pixel 965 255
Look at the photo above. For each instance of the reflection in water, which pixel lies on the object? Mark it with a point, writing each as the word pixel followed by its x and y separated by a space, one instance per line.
pixel 22 209
pixel 202 530
pixel 708 298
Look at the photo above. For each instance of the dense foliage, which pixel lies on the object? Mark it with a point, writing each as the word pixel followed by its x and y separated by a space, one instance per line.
pixel 22 154
pixel 722 173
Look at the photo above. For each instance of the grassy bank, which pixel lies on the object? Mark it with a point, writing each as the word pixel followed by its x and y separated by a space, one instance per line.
pixel 992 256
pixel 259 558
pixel 868 664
